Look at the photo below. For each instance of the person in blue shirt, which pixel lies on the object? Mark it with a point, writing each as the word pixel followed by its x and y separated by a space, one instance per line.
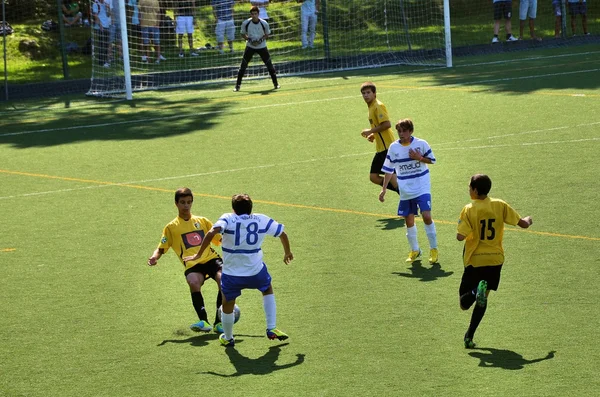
pixel 223 12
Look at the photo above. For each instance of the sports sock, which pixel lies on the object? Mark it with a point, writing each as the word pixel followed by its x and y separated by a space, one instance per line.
pixel 466 300
pixel 270 310
pixel 431 235
pixel 476 317
pixel 198 302
pixel 227 320
pixel 411 235
pixel 219 303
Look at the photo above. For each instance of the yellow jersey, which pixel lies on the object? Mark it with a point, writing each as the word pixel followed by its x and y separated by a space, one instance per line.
pixel 377 115
pixel 185 237
pixel 482 223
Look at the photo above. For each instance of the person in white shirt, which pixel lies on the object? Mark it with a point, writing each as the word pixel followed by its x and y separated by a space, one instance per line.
pixel 255 31
pixel 308 22
pixel 409 157
pixel 243 267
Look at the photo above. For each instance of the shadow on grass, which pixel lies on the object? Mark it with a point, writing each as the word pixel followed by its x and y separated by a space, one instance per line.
pixel 506 359
pixel 141 119
pixel 423 273
pixel 263 365
pixel 196 340
pixel 200 339
pixel 390 223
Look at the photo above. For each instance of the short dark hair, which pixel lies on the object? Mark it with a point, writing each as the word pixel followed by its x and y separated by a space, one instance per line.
pixel 183 192
pixel 241 204
pixel 254 8
pixel 405 124
pixel 369 85
pixel 482 183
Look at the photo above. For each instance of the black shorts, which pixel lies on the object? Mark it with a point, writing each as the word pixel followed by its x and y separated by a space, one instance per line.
pixel 377 163
pixel 502 10
pixel 473 275
pixel 577 8
pixel 208 269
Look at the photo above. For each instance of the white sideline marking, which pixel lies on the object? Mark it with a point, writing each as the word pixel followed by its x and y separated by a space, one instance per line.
pixel 311 161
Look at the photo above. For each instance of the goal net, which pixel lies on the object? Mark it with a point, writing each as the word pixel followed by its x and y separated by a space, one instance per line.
pixel 168 43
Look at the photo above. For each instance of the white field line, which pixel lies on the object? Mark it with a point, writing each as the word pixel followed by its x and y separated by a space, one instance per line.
pixel 292 163
pixel 321 79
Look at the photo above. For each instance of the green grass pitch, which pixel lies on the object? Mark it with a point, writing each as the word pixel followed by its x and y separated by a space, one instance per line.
pixel 86 187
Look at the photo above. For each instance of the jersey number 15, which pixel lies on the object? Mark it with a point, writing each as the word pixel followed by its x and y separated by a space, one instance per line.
pixel 487 229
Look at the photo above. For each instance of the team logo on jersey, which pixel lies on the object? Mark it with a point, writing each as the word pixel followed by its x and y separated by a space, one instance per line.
pixel 163 239
pixel 196 225
pixel 192 239
pixel 459 221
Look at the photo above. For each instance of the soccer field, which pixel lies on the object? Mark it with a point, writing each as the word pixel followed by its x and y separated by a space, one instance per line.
pixel 86 187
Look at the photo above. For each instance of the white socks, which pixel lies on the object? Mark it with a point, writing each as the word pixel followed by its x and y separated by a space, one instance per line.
pixel 411 235
pixel 227 320
pixel 270 310
pixel 431 235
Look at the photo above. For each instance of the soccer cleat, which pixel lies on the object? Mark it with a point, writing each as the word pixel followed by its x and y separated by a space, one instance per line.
pixel 469 344
pixel 201 326
pixel 181 55
pixel 218 328
pixel 481 297
pixel 433 256
pixel 413 255
pixel 162 58
pixel 274 333
pixel 194 54
pixel 276 87
pixel 512 38
pixel 226 342
pixel 236 89
pixel 106 65
pixel 495 40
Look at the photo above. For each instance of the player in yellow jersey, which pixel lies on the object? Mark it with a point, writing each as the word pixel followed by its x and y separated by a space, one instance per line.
pixel 380 132
pixel 481 227
pixel 184 235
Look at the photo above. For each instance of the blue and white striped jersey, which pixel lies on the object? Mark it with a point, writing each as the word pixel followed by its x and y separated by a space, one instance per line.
pixel 242 239
pixel 413 175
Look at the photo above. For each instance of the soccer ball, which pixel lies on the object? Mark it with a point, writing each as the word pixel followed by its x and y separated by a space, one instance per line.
pixel 236 313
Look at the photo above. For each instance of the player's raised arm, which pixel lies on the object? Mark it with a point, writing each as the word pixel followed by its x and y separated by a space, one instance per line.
pixel 287 256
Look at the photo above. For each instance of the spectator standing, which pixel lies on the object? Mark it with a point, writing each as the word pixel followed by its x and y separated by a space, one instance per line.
pixel 135 32
pixel 308 22
pixel 225 26
pixel 503 9
pixel 102 22
pixel 184 24
pixel 150 21
pixel 557 7
pixel 578 7
pixel 528 9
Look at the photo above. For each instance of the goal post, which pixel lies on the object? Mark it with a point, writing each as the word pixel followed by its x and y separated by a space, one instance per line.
pixel 172 43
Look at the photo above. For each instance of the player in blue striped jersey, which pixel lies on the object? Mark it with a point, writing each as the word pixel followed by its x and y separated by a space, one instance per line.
pixel 243 267
pixel 409 157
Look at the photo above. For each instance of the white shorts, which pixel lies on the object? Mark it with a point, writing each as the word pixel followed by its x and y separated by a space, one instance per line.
pixel 527 8
pixel 184 25
pixel 225 28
